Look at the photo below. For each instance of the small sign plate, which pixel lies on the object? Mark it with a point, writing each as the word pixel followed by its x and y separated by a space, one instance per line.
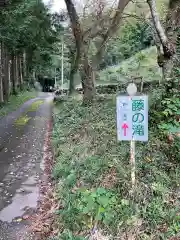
pixel 132 118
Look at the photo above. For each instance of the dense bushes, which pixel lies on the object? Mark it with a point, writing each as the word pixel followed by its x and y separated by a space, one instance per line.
pixel 131 39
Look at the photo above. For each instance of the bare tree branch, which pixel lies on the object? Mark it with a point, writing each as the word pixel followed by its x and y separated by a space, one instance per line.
pixel 112 28
pixel 116 19
pixel 157 23
pixel 77 32
pixel 167 46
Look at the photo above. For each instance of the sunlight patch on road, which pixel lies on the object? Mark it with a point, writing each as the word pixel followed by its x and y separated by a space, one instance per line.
pixel 22 120
pixel 35 105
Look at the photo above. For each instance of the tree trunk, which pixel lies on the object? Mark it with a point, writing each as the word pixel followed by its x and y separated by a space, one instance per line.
pixel 17 71
pixel 112 29
pixel 87 70
pixel 29 63
pixel 9 73
pixel 88 82
pixel 19 67
pixel 1 79
pixel 8 85
pixel 172 28
pixel 172 31
pixel 1 90
pixel 71 80
pixel 24 68
pixel 158 26
pixel 78 36
pixel 21 70
pixel 75 59
pixel 3 60
pixel 13 74
pixel 34 76
pixel 5 72
pixel 167 38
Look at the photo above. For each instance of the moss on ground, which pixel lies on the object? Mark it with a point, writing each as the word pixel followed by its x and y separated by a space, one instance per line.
pixel 35 105
pixel 22 120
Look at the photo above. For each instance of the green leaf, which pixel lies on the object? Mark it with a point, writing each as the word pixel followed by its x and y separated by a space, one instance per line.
pixel 85 210
pixel 98 217
pixel 90 199
pixel 101 210
pixel 103 201
pixel 173 129
pixel 71 179
pixel 163 126
pixel 165 113
pixel 125 202
pixel 101 191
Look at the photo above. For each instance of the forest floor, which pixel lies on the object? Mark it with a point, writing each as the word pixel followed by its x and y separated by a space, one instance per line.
pixel 92 173
pixel 24 135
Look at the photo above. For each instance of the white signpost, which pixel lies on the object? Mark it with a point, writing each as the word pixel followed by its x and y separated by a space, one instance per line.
pixel 132 121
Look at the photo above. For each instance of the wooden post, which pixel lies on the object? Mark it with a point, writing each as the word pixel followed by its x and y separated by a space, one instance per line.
pixel 133 164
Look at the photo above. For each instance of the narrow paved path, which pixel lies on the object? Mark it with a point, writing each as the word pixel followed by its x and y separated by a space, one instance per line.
pixel 22 135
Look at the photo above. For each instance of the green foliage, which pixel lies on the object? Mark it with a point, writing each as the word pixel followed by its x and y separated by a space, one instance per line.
pixel 93 175
pixel 142 65
pixel 131 39
pixel 136 37
pixel 27 26
pixel 28 23
pixel 164 119
pixel 90 206
pixel 170 115
pixel 67 235
pixel 175 228
pixel 165 109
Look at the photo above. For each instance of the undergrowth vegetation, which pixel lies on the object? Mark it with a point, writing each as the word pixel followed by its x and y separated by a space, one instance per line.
pixel 93 176
pixel 15 101
pixel 142 65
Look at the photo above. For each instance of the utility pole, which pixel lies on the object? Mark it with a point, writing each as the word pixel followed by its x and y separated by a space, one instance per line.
pixel 64 23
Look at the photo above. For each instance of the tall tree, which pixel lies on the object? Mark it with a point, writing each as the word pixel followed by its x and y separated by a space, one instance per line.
pixel 168 36
pixel 1 79
pixel 104 25
pixel 26 31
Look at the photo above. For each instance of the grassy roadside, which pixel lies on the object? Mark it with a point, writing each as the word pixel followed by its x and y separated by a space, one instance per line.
pixel 93 178
pixel 16 101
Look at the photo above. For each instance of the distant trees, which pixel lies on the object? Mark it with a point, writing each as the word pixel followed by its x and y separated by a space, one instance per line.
pixel 27 38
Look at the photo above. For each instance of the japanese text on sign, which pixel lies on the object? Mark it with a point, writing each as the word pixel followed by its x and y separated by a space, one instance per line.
pixel 132 118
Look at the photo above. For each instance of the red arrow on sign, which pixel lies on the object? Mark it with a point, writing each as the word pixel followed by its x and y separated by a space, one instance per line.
pixel 125 126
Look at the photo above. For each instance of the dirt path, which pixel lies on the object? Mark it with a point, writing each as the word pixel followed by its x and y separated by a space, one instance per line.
pixel 22 135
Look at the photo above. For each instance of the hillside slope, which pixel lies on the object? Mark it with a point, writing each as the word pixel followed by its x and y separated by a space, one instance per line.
pixel 141 65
